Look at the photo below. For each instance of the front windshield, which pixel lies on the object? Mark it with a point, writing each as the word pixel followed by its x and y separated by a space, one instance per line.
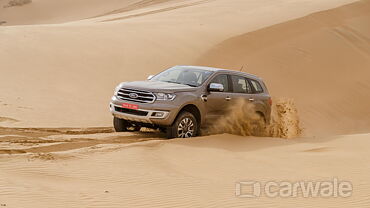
pixel 183 75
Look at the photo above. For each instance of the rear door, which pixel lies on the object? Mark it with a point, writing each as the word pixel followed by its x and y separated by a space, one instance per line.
pixel 241 89
pixel 260 97
pixel 218 102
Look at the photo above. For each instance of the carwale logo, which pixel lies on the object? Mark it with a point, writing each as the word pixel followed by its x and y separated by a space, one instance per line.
pixel 285 189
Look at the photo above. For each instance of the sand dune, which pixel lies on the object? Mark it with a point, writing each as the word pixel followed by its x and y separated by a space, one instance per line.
pixel 62 75
pixel 60 61
pixel 321 61
pixel 94 56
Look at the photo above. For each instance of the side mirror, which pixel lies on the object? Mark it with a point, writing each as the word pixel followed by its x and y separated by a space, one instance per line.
pixel 150 77
pixel 216 87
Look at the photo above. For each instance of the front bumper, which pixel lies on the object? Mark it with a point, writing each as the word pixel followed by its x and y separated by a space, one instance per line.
pixel 147 112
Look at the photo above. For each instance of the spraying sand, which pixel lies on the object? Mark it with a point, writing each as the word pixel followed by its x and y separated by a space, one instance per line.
pixel 242 119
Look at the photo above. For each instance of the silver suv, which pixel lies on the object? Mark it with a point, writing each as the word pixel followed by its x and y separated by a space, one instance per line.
pixel 182 99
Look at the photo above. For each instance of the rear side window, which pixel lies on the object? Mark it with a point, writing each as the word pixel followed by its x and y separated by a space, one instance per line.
pixel 222 79
pixel 256 86
pixel 240 85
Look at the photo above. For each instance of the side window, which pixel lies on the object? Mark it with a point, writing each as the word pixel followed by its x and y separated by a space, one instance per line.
pixel 240 85
pixel 222 79
pixel 256 86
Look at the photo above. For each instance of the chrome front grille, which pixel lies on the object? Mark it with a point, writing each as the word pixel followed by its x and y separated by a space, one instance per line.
pixel 135 95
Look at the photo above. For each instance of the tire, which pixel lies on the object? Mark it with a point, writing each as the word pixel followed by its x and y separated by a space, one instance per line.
pixel 121 125
pixel 262 119
pixel 259 126
pixel 184 126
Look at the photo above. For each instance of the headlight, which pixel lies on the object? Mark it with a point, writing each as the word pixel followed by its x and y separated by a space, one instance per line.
pixel 117 89
pixel 165 96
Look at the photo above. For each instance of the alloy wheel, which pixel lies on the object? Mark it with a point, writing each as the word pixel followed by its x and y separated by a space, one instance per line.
pixel 185 128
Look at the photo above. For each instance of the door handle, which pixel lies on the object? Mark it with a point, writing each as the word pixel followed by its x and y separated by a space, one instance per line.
pixel 228 98
pixel 251 99
pixel 204 98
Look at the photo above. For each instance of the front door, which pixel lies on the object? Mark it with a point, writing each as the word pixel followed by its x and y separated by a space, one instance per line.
pixel 218 102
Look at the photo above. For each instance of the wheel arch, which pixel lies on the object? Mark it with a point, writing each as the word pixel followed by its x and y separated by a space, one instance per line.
pixel 260 113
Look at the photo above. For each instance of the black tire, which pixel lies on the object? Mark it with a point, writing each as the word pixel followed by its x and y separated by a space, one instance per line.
pixel 120 125
pixel 259 125
pixel 187 122
pixel 262 120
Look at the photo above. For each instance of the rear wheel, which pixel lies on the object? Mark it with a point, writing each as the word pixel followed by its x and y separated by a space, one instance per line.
pixel 185 126
pixel 259 125
pixel 261 120
pixel 122 125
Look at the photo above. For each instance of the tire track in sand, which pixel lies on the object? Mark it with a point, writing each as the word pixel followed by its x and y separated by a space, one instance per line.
pixel 46 140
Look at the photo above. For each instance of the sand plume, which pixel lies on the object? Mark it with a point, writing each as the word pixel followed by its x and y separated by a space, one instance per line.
pixel 285 119
pixel 243 119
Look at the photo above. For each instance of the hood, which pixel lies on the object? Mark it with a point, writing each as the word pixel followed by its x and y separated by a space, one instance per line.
pixel 156 86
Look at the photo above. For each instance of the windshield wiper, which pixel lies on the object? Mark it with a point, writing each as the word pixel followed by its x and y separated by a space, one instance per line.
pixel 191 85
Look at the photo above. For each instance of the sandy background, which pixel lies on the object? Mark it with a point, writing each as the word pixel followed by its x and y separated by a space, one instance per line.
pixel 60 61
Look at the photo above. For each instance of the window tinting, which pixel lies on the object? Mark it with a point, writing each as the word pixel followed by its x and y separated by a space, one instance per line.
pixel 256 86
pixel 222 79
pixel 240 85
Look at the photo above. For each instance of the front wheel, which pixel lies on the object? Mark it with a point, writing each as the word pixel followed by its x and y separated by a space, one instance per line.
pixel 121 125
pixel 185 126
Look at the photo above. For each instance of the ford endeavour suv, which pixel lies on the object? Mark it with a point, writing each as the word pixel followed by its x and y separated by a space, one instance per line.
pixel 182 99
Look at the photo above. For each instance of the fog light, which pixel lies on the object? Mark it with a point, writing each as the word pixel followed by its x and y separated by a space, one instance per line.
pixel 158 114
